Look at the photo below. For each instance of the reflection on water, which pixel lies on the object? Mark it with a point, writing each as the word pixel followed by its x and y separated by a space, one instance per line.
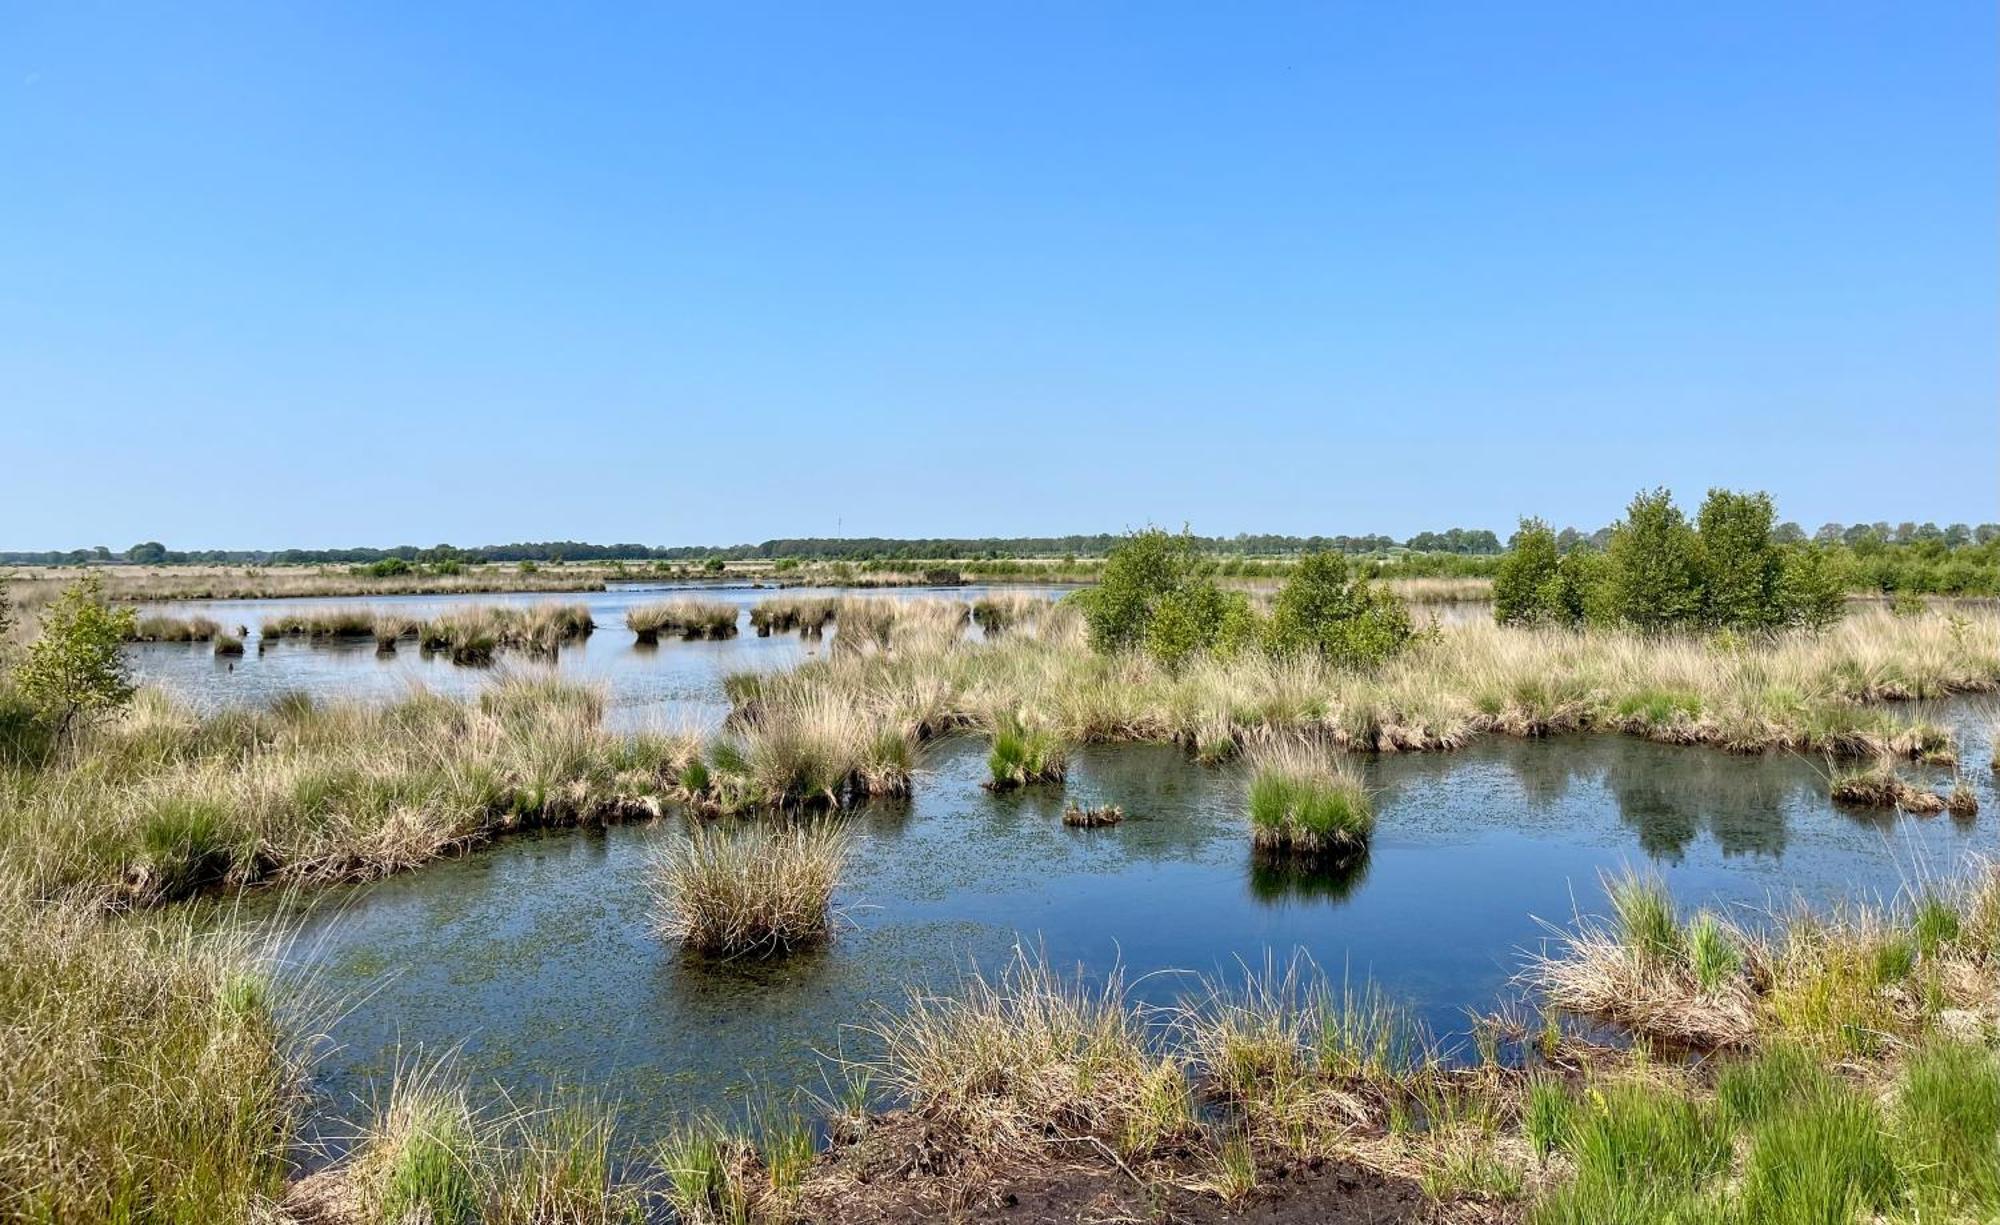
pixel 537 956
pixel 1285 878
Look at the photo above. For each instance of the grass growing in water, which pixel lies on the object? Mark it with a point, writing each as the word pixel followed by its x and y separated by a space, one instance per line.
pixel 1024 753
pixel 1303 801
pixel 1790 691
pixel 753 892
pixel 157 628
pixel 691 619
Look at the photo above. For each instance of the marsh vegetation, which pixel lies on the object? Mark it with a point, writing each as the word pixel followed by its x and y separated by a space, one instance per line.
pixel 1842 1065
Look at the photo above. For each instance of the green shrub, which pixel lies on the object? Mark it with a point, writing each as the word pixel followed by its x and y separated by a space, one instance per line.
pixel 1741 567
pixel 1656 565
pixel 1342 617
pixel 1527 590
pixel 75 672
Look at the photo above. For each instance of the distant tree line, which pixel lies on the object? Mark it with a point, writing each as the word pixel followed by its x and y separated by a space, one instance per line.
pixel 811 548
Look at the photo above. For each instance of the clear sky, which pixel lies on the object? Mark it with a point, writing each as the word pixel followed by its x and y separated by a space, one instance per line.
pixel 337 274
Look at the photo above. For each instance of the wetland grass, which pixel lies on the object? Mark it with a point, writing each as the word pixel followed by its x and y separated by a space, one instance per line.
pixel 155 627
pixel 150 1071
pixel 809 615
pixel 165 801
pixel 1024 753
pixel 1303 801
pixel 692 620
pixel 1006 1060
pixel 470 634
pixel 996 614
pixel 750 892
pixel 1854 982
pixel 429 1155
pixel 1882 785
pixel 1819 694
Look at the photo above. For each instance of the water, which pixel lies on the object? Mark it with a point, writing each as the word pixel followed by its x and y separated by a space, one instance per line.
pixel 675 682
pixel 536 961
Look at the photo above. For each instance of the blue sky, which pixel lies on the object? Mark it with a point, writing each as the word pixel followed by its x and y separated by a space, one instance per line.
pixel 308 274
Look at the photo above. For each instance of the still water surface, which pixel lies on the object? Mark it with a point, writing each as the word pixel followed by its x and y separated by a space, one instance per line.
pixel 535 960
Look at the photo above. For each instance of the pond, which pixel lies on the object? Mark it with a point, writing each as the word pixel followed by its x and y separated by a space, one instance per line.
pixel 672 683
pixel 535 959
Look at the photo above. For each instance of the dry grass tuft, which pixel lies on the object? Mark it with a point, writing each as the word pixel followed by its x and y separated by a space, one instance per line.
pixel 756 892
pixel 691 619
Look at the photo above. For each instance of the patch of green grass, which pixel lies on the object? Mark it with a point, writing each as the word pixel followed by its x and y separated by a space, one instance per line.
pixel 1750 1091
pixel 1549 1115
pixel 1646 923
pixel 1643 1153
pixel 1711 952
pixel 1934 924
pixel 1025 753
pixel 1301 801
pixel 1825 1158
pixel 1947 1127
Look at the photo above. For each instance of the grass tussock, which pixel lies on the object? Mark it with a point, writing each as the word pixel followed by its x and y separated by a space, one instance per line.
pixel 1811 693
pixel 1003 611
pixel 875 626
pixel 808 615
pixel 154 627
pixel 800 757
pixel 430 1155
pixel 148 1072
pixel 1025 752
pixel 1882 785
pixel 1858 981
pixel 165 801
pixel 1009 1060
pixel 469 635
pixel 1304 801
pixel 690 619
pixel 751 892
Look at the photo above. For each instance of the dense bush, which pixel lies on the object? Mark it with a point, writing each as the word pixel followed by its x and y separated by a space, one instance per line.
pixel 1732 568
pixel 1158 594
pixel 1342 617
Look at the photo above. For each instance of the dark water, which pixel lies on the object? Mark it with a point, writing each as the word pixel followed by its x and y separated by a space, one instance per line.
pixel 535 960
pixel 673 682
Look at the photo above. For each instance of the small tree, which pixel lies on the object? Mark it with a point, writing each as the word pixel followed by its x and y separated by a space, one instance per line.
pixel 1526 589
pixel 1141 571
pixel 1342 617
pixel 1655 565
pixel 1811 591
pixel 75 671
pixel 1740 564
